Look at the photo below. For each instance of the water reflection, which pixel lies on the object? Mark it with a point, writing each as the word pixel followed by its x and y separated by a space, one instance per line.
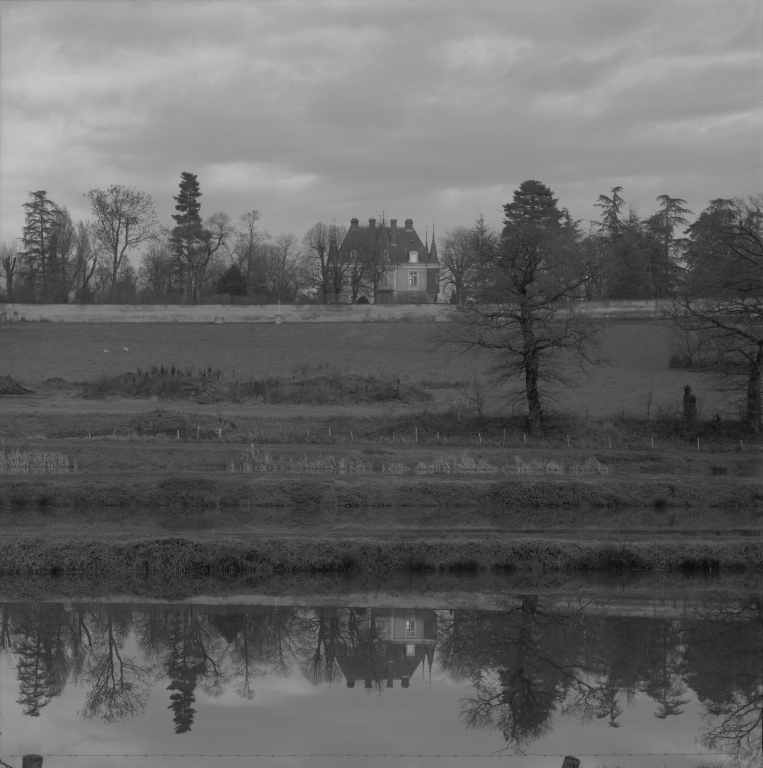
pixel 522 667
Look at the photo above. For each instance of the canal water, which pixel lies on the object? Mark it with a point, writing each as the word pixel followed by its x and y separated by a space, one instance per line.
pixel 510 679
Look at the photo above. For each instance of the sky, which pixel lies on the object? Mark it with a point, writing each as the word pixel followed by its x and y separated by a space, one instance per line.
pixel 323 111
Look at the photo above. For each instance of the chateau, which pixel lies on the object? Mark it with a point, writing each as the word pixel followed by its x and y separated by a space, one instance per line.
pixel 414 270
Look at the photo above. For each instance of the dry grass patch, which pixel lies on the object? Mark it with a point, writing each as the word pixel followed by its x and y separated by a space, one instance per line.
pixel 34 462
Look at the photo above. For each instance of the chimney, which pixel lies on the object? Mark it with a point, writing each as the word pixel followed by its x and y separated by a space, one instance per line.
pixel 372 223
pixel 393 231
pixel 353 223
pixel 408 225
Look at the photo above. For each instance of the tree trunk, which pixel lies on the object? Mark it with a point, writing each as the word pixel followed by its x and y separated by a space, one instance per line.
pixel 754 408
pixel 532 366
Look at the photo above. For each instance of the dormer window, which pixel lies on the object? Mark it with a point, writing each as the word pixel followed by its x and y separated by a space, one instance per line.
pixel 413 257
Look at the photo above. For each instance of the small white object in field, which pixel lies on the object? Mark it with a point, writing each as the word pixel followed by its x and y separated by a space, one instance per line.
pixel 106 351
pixel 125 349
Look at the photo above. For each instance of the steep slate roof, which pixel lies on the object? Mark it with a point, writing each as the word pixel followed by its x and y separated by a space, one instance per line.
pixel 399 241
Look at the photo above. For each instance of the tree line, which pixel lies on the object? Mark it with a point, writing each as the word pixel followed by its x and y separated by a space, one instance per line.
pixel 521 293
pixel 198 259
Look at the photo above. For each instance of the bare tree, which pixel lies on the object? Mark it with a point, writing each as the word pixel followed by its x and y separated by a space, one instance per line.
pixel 340 261
pixel 317 243
pixel 157 274
pixel 459 261
pixel 124 219
pixel 283 267
pixel 215 236
pixel 9 265
pixel 372 247
pixel 523 314
pixel 247 249
pixel 88 253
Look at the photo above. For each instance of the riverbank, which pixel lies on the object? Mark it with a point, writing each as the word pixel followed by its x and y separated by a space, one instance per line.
pixel 273 555
pixel 371 492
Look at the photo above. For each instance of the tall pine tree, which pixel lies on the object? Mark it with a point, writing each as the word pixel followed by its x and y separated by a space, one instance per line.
pixel 37 234
pixel 187 234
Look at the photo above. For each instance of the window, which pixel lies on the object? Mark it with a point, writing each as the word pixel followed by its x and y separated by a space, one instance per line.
pixel 410 650
pixel 410 628
pixel 413 257
pixel 413 279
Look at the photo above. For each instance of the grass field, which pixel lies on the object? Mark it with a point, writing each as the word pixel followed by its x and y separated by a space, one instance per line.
pixel 636 358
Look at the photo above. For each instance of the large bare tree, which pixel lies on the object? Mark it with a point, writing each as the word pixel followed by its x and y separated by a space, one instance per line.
pixel 124 219
pixel 521 312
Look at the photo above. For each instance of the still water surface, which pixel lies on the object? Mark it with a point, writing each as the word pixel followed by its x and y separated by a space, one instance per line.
pixel 538 675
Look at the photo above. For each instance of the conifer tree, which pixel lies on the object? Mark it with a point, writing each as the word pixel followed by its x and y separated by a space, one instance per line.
pixel 187 233
pixel 37 234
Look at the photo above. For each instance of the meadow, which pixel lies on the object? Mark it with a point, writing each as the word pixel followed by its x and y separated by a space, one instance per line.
pixel 634 375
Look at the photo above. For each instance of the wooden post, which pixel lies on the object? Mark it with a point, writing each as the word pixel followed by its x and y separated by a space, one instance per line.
pixel 31 761
pixel 417 433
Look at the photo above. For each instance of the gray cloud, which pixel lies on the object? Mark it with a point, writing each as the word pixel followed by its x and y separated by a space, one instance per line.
pixel 324 110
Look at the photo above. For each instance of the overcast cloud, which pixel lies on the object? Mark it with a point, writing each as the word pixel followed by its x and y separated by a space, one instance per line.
pixel 315 110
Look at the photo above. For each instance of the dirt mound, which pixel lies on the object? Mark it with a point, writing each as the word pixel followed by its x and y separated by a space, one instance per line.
pixel 10 387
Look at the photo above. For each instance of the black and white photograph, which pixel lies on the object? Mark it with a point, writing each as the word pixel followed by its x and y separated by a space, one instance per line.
pixel 381 383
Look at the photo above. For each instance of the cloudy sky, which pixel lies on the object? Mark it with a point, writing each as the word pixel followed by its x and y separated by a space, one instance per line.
pixel 315 110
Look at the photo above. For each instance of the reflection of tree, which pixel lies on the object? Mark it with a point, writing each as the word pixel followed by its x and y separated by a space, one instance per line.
pixel 118 687
pixel 195 652
pixel 36 683
pixel 526 659
pixel 258 641
pixel 725 668
pixel 41 656
pixel 320 633
pixel 665 684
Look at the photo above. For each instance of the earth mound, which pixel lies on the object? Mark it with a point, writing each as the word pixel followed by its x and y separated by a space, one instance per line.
pixel 10 387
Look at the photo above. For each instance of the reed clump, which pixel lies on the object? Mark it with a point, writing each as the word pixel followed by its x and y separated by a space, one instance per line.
pixel 34 462
pixel 311 385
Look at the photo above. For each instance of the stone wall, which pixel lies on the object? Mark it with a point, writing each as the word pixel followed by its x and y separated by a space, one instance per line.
pixel 307 313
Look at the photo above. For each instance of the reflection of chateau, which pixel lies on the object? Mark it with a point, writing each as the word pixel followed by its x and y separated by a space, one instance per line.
pixel 391 645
